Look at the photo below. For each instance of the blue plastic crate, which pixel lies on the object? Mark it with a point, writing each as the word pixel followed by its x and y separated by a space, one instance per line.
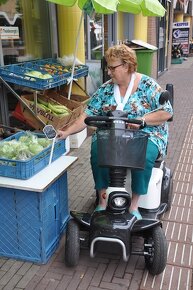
pixel 16 73
pixel 30 222
pixel 26 169
pixel 63 202
pixel 79 71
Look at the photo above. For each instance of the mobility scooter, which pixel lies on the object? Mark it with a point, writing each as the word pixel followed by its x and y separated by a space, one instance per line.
pixel 115 225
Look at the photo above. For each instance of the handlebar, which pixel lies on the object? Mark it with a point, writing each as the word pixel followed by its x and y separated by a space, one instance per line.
pixel 106 121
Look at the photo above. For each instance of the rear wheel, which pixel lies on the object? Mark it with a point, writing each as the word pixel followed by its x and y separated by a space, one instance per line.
pixel 156 246
pixel 167 189
pixel 169 202
pixel 72 245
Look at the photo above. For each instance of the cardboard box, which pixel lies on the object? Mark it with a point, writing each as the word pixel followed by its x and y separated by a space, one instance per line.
pixel 78 94
pixel 81 100
pixel 47 117
pixel 29 119
pixel 76 108
pixel 77 139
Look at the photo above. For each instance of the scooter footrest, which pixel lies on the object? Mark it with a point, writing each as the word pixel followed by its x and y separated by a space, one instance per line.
pixel 144 224
pixel 81 217
pixel 153 213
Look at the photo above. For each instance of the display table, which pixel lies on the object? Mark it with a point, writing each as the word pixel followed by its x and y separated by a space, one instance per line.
pixel 34 212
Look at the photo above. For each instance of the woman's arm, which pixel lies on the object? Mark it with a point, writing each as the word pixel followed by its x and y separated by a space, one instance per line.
pixel 76 127
pixel 156 118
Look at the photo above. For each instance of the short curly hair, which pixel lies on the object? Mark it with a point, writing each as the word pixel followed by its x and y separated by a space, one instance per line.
pixel 124 53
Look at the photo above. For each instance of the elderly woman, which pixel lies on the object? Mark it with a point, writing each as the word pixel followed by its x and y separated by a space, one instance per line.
pixel 138 95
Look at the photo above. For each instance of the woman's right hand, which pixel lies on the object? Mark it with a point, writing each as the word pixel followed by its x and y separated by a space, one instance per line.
pixel 62 134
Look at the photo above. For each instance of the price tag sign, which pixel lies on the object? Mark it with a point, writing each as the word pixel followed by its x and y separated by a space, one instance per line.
pixel 9 32
pixel 49 131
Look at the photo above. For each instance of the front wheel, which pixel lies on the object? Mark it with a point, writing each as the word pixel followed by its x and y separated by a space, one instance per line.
pixel 72 245
pixel 156 246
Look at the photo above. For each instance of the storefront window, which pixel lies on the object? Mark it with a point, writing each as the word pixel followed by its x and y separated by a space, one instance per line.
pixel 94 38
pixel 25 30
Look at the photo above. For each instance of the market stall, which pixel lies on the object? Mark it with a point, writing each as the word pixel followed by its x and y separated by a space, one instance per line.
pixel 39 76
pixel 34 194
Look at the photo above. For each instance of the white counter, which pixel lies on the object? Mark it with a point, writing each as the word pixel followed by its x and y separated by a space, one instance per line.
pixel 43 179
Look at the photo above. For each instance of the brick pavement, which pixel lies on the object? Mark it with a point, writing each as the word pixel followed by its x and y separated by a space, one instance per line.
pixel 107 270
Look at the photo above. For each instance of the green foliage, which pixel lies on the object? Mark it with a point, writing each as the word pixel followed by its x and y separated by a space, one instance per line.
pixel 25 148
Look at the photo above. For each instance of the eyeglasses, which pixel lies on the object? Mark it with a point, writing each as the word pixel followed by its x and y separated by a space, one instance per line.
pixel 112 68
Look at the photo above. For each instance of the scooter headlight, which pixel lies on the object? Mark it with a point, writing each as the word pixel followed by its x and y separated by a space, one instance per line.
pixel 119 201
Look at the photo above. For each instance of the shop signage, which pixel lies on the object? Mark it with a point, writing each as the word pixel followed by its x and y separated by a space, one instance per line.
pixel 180 35
pixel 9 32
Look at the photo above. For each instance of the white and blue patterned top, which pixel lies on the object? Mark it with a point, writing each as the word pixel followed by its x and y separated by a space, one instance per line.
pixel 144 100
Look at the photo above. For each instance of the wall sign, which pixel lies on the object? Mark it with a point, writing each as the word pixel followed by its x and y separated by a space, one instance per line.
pixel 9 32
pixel 180 35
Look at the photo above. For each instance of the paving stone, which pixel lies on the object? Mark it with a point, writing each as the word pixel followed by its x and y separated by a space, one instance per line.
pixel 13 282
pixel 33 282
pixel 109 272
pixel 178 232
pixel 136 280
pixel 28 276
pixel 172 278
pixel 97 277
pixel 63 284
pixel 86 279
pixel 112 286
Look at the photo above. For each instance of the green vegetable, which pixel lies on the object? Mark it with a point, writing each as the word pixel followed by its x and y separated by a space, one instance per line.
pixel 44 142
pixel 24 148
pixel 42 101
pixel 57 109
pixel 38 75
pixel 35 148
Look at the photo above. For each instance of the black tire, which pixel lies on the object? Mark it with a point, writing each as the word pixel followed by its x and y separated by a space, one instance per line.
pixel 167 189
pixel 156 262
pixel 169 203
pixel 72 245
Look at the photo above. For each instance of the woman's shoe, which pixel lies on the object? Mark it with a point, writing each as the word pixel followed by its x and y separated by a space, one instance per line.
pixel 136 213
pixel 99 208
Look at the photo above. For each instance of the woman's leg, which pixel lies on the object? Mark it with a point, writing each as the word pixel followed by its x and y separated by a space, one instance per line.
pixel 100 175
pixel 140 178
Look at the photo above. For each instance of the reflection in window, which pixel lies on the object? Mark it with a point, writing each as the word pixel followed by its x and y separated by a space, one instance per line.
pixel 94 43
pixel 31 19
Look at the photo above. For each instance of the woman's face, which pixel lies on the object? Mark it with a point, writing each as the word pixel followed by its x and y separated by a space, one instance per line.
pixel 117 70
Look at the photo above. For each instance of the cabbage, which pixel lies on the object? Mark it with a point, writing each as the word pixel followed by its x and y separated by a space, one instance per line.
pixel 28 138
pixel 24 148
pixel 44 142
pixel 23 154
pixel 35 148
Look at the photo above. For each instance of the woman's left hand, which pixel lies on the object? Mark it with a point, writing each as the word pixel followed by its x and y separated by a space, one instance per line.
pixel 133 126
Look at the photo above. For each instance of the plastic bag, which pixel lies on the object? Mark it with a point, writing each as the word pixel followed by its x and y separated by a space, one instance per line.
pixel 67 60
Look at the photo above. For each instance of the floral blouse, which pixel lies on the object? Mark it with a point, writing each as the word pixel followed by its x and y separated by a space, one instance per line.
pixel 144 100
